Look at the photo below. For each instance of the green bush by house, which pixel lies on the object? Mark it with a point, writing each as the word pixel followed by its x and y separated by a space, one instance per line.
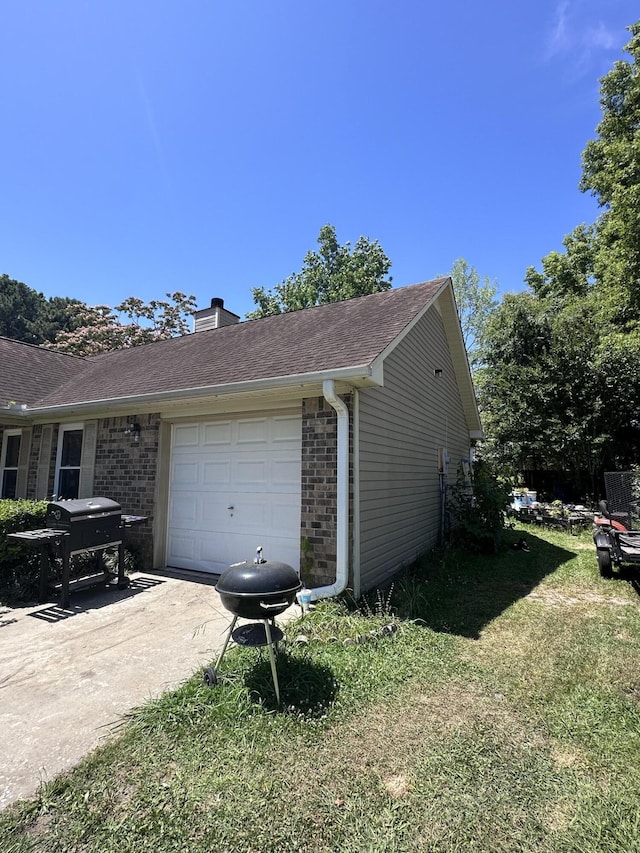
pixel 19 565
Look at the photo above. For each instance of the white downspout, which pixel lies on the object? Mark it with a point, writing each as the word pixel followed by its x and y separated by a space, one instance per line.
pixel 342 497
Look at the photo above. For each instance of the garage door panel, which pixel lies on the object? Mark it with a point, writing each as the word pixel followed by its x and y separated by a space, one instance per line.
pixel 250 464
pixel 216 472
pixel 215 514
pixel 186 436
pixel 182 547
pixel 286 429
pixel 183 509
pixel 217 434
pixel 252 431
pixel 185 473
pixel 251 516
pixel 251 472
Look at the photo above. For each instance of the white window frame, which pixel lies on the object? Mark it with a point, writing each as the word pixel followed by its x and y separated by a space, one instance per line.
pixel 3 456
pixel 61 431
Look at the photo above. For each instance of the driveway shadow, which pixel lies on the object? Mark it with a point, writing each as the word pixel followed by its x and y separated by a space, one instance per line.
pixel 85 601
pixel 457 593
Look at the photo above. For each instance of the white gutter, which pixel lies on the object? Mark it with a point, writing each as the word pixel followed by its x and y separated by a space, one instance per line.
pixel 359 373
pixel 342 497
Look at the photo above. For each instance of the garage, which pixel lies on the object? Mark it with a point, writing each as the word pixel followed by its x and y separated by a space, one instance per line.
pixel 235 484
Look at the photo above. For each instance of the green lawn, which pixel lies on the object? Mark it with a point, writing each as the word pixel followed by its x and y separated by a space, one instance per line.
pixel 503 714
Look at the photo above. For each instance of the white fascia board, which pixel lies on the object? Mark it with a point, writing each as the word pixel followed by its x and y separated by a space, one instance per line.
pixel 377 364
pixel 360 375
pixel 449 312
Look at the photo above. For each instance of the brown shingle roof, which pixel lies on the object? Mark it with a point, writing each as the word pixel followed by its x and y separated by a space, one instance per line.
pixel 327 337
pixel 28 372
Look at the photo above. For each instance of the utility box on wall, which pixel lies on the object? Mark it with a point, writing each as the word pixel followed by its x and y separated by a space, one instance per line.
pixel 443 460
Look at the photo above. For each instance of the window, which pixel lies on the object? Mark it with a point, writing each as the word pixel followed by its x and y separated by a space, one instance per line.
pixel 9 459
pixel 68 461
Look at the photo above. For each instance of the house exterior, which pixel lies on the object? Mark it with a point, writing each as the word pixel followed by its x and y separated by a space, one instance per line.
pixel 323 435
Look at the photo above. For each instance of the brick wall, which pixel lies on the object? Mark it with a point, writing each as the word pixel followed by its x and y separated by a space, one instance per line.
pixel 125 471
pixel 319 486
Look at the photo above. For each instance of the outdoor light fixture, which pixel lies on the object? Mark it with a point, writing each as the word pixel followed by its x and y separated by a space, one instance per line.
pixel 437 372
pixel 133 429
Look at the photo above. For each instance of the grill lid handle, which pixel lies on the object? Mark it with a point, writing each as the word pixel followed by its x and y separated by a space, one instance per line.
pixel 259 558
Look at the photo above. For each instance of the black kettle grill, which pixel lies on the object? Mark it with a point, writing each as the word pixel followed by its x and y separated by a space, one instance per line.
pixel 259 590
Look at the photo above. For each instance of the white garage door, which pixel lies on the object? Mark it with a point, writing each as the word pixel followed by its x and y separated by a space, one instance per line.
pixel 235 485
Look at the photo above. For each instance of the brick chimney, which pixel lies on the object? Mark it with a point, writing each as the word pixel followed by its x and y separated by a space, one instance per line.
pixel 214 317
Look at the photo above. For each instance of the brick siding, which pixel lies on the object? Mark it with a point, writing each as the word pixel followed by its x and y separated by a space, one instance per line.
pixel 319 489
pixel 125 471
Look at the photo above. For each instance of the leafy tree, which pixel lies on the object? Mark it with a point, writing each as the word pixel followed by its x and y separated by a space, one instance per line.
pixel 99 329
pixel 476 301
pixel 561 385
pixel 61 314
pixel 26 315
pixel 331 274
pixel 569 273
pixel 20 309
pixel 611 172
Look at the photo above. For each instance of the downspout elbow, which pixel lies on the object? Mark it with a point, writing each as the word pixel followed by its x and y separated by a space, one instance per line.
pixel 342 496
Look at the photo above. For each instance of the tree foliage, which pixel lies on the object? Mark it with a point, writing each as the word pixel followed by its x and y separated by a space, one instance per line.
pixel 20 308
pixel 476 301
pixel 71 326
pixel 611 172
pixel 332 273
pixel 28 316
pixel 561 386
pixel 100 328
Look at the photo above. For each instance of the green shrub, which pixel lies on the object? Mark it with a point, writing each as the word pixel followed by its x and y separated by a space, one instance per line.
pixel 19 565
pixel 476 509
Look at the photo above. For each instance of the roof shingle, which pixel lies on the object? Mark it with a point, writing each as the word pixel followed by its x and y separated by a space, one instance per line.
pixel 328 337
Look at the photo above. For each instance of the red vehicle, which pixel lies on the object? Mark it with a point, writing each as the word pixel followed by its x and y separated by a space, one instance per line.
pixel 617 546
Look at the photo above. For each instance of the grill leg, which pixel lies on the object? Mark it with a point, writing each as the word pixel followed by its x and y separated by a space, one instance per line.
pixel 65 578
pixel 123 580
pixel 44 572
pixel 226 641
pixel 272 659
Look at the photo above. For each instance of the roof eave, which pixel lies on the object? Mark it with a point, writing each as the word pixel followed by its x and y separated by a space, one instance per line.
pixel 358 376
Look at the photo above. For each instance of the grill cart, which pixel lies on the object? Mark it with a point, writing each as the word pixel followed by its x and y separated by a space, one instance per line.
pixel 86 525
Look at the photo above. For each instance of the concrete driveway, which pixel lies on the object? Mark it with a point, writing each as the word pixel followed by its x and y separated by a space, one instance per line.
pixel 68 676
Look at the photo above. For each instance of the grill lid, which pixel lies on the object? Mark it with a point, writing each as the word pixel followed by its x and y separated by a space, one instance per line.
pixel 75 510
pixel 258 578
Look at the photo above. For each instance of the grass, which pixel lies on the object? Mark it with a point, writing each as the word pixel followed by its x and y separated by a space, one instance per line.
pixel 502 714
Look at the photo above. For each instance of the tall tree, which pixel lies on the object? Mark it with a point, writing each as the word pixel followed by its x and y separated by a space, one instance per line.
pixel 476 301
pixel 21 308
pixel 611 172
pixel 576 405
pixel 100 328
pixel 332 273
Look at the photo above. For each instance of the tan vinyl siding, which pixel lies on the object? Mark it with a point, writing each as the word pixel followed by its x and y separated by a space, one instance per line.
pixel 402 425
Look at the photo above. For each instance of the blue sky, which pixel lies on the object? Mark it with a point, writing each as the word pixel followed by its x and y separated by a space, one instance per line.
pixel 200 145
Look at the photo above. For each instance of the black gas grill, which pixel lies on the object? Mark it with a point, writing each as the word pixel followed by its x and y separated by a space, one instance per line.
pixel 89 522
pixel 85 525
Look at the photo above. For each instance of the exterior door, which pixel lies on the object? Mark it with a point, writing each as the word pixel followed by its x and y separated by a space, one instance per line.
pixel 235 485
